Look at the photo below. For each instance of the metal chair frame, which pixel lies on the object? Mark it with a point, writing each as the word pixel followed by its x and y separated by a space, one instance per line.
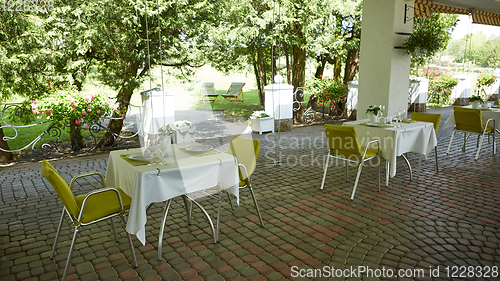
pixel 120 214
pixel 359 165
pixel 479 142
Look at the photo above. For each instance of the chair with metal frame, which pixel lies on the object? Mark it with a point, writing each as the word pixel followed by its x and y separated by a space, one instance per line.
pixel 86 209
pixel 343 143
pixel 470 121
pixel 432 118
pixel 246 152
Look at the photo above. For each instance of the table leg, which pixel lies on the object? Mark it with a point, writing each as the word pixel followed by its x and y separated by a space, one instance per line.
pixel 387 168
pixel 409 166
pixel 419 164
pixel 188 207
pixel 162 228
pixel 214 234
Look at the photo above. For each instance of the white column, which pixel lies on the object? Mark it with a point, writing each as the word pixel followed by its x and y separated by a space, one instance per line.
pixel 383 70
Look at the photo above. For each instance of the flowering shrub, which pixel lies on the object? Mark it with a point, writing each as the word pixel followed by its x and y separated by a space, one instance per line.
pixel 485 80
pixel 327 91
pixel 443 82
pixel 71 106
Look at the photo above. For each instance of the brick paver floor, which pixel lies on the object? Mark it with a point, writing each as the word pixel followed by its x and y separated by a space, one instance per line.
pixel 441 223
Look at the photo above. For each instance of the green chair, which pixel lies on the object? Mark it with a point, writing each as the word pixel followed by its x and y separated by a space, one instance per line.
pixel 86 209
pixel 246 152
pixel 432 118
pixel 343 143
pixel 234 92
pixel 208 93
pixel 470 121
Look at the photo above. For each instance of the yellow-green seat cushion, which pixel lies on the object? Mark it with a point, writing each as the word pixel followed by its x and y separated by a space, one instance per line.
pixel 102 204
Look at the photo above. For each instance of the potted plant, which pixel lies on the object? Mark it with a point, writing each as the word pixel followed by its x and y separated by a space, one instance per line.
pixel 261 122
pixel 373 112
pixel 328 92
pixel 475 100
pixel 425 40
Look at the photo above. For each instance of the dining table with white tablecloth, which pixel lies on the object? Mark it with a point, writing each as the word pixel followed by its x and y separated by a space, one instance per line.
pixel 397 138
pixel 187 171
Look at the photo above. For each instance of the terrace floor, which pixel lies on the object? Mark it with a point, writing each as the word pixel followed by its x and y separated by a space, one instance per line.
pixel 434 223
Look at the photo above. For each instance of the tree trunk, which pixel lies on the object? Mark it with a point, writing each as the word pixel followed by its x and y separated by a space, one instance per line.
pixel 261 68
pixel 257 79
pixel 75 132
pixel 287 60
pixel 4 156
pixel 351 65
pixel 321 59
pixel 298 67
pixel 116 125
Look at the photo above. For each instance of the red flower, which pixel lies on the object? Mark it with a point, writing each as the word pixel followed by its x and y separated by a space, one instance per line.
pixel 77 122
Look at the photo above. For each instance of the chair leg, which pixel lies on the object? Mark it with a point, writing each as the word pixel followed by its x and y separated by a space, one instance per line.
pixel 479 146
pixel 256 205
pixel 360 166
pixel 57 234
pixel 379 164
pixel 451 139
pixel 162 228
pixel 346 170
pixel 132 251
pixel 114 229
pixel 436 153
pixel 66 268
pixel 230 201
pixel 324 173
pixel 465 142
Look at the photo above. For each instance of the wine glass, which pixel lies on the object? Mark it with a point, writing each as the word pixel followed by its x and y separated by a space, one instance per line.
pixel 183 130
pixel 149 144
pixel 165 147
pixel 192 132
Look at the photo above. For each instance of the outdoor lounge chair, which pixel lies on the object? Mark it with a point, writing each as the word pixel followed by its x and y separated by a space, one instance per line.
pixel 208 93
pixel 234 92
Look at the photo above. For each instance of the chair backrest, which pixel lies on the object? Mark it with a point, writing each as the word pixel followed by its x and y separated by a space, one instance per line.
pixel 207 88
pixel 496 103
pixel 427 117
pixel 246 151
pixel 235 88
pixel 468 119
pixel 343 140
pixel 61 187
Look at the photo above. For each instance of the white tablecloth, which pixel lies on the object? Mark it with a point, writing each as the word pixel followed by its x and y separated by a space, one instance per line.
pixel 418 137
pixel 185 174
pixel 486 114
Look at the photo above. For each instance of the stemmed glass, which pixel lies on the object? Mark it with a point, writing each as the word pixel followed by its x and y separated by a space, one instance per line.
pixel 165 147
pixel 192 132
pixel 149 143
pixel 183 130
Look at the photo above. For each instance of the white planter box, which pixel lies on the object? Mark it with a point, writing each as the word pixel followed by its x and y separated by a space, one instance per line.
pixel 262 125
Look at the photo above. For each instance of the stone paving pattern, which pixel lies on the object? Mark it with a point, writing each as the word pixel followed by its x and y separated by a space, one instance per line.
pixel 450 218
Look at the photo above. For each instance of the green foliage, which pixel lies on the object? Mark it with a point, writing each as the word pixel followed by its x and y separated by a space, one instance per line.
pixel 328 89
pixel 444 82
pixel 475 98
pixel 440 89
pixel 484 52
pixel 485 80
pixel 431 34
pixel 374 109
pixel 259 114
pixel 68 106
